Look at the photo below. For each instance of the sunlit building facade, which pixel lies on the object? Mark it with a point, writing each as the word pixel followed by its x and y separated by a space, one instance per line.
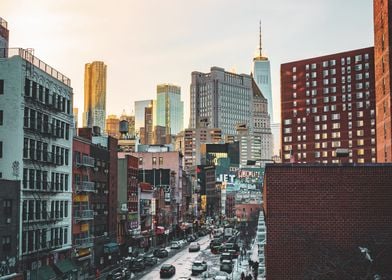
pixel 95 95
pixel 169 108
pixel 140 105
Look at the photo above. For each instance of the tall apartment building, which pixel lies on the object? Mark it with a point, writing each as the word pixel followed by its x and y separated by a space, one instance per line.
pixel 328 103
pixel 382 59
pixel 36 148
pixel 169 108
pixel 95 95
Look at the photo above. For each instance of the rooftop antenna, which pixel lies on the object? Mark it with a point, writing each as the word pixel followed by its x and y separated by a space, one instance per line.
pixel 260 38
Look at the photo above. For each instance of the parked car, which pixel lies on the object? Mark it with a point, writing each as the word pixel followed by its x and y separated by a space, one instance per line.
pixel 160 253
pixel 150 260
pixel 226 266
pixel 175 245
pixel 137 265
pixel 194 247
pixel 198 267
pixel 225 256
pixel 191 238
pixel 167 270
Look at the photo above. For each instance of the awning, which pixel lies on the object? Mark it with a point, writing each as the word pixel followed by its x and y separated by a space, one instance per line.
pixel 110 248
pixel 43 273
pixel 65 266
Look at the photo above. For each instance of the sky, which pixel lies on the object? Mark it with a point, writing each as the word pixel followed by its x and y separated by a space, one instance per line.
pixel 148 42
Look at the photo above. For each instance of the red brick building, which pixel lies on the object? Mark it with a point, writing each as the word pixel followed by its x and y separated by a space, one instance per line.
pixel 327 103
pixel 95 198
pixel 382 59
pixel 317 217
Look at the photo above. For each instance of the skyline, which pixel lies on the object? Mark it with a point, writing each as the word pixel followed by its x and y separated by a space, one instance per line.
pixel 177 38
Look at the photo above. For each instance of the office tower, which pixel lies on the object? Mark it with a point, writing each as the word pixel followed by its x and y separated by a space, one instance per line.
pixel 262 128
pixel 36 148
pixel 262 76
pixel 169 108
pixel 75 112
pixel 225 99
pixel 113 126
pixel 328 103
pixel 95 95
pixel 148 128
pixel 139 114
pixel 4 38
pixel 382 42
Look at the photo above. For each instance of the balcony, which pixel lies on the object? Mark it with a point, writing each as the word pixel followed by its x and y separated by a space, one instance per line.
pixel 85 242
pixel 83 215
pixel 85 186
pixel 42 217
pixel 86 161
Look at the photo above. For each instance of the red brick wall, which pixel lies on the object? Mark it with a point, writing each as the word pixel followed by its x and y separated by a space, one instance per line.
pixel 382 61
pixel 309 207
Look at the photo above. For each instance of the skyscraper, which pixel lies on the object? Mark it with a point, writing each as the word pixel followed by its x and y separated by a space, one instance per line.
pixel 95 95
pixel 328 103
pixel 139 113
pixel 382 58
pixel 169 108
pixel 262 76
pixel 222 98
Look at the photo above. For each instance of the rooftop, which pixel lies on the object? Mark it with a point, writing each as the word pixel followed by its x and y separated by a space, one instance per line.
pixel 28 56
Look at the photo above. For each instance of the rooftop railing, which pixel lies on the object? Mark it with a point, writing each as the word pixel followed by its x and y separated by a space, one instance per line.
pixel 29 57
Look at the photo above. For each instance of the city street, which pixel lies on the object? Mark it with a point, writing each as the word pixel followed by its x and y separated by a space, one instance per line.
pixel 183 261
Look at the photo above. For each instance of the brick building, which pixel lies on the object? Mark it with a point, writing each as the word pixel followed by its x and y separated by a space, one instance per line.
pixel 328 102
pixel 382 41
pixel 317 217
pixel 99 206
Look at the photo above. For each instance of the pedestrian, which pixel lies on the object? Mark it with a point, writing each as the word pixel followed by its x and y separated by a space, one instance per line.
pixel 242 275
pixel 250 277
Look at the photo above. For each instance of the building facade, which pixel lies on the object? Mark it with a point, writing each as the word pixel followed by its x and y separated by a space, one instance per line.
pixel 262 76
pixel 9 228
pixel 4 37
pixel 341 212
pixel 382 41
pixel 95 95
pixel 216 95
pixel 102 204
pixel 113 126
pixel 139 113
pixel 328 103
pixel 169 108
pixel 36 146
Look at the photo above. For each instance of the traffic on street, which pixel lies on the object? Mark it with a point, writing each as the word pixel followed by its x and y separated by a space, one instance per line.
pixel 217 253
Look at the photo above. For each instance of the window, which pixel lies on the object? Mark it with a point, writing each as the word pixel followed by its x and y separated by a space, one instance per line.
pixel 140 161
pixel 1 149
pixel 294 69
pixel 154 160
pixel 6 243
pixel 1 86
pixel 1 117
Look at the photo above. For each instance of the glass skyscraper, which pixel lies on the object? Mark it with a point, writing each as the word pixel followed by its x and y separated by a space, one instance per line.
pixel 95 95
pixel 169 108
